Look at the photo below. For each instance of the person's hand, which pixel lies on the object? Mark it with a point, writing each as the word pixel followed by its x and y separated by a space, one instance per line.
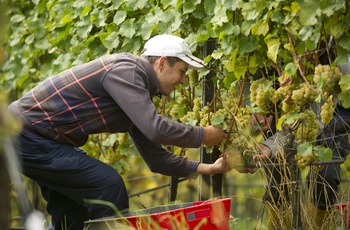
pixel 221 165
pixel 261 123
pixel 237 161
pixel 264 153
pixel 213 136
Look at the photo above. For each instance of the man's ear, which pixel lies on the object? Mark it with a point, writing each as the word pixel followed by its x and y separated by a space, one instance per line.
pixel 161 62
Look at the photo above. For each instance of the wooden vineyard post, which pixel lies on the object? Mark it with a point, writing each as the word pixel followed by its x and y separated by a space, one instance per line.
pixel 207 96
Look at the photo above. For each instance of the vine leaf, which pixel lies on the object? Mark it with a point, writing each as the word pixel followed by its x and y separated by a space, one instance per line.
pixel 273 47
pixel 304 149
pixel 344 97
pixel 325 154
pixel 217 120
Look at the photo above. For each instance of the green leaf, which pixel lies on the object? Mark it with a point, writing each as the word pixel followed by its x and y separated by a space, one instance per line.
pixel 192 121
pixel 171 3
pixel 217 54
pixel 217 120
pixel 189 7
pixel 249 11
pixel 111 41
pixel 86 10
pixel 309 11
pixel 220 17
pixel 344 97
pixel 261 27
pixel 344 82
pixel 84 27
pixel 209 6
pixel 273 47
pixel 305 32
pixel 291 68
pixel 325 154
pixel 127 29
pixel 247 44
pixel 245 27
pixel 17 18
pixel 136 4
pixel 287 119
pixel 29 39
pixel 43 44
pixel 305 149
pixel 119 17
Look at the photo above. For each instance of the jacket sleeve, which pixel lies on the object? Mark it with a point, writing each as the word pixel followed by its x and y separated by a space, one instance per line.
pixel 275 143
pixel 160 160
pixel 127 83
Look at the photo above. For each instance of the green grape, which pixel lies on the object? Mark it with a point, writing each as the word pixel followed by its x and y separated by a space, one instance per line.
pixel 281 93
pixel 261 93
pixel 290 108
pixel 303 95
pixel 243 118
pixel 327 110
pixel 306 160
pixel 308 127
pixel 327 78
pixel 174 111
pixel 193 78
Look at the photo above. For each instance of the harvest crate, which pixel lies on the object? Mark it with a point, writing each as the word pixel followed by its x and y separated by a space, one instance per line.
pixel 208 215
pixel 344 211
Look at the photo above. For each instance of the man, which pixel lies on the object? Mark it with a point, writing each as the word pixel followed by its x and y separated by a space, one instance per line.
pixel 110 94
pixel 323 184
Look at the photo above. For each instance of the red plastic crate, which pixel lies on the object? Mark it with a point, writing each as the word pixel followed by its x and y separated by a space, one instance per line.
pixel 209 215
pixel 344 211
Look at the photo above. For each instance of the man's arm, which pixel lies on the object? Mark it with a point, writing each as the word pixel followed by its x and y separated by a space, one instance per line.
pixel 162 161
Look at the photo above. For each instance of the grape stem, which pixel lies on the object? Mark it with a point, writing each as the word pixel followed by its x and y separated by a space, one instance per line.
pixel 296 61
pixel 240 99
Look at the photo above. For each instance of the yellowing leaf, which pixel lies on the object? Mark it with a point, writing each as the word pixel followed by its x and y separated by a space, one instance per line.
pixel 273 47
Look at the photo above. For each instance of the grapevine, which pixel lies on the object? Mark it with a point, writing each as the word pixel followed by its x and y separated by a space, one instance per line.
pixel 240 139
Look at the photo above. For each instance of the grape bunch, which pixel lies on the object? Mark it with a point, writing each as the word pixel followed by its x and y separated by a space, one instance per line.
pixel 261 94
pixel 290 108
pixel 303 161
pixel 243 145
pixel 180 103
pixel 243 118
pixel 282 93
pixel 308 127
pixel 327 110
pixel 286 86
pixel 193 117
pixel 327 78
pixel 193 78
pixel 303 94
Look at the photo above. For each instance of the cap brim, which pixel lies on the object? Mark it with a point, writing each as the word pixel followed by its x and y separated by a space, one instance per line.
pixel 193 62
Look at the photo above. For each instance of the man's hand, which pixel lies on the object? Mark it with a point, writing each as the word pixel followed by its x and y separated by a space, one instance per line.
pixel 213 136
pixel 265 153
pixel 221 165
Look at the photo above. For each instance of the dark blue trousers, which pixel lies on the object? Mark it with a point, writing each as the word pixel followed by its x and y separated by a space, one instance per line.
pixel 67 177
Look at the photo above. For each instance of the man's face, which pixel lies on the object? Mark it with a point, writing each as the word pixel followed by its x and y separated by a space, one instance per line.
pixel 170 76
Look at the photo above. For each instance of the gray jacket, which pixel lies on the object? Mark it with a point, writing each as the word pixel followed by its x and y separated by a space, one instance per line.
pixel 110 94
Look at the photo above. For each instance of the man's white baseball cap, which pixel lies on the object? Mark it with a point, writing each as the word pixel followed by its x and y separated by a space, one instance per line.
pixel 171 46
